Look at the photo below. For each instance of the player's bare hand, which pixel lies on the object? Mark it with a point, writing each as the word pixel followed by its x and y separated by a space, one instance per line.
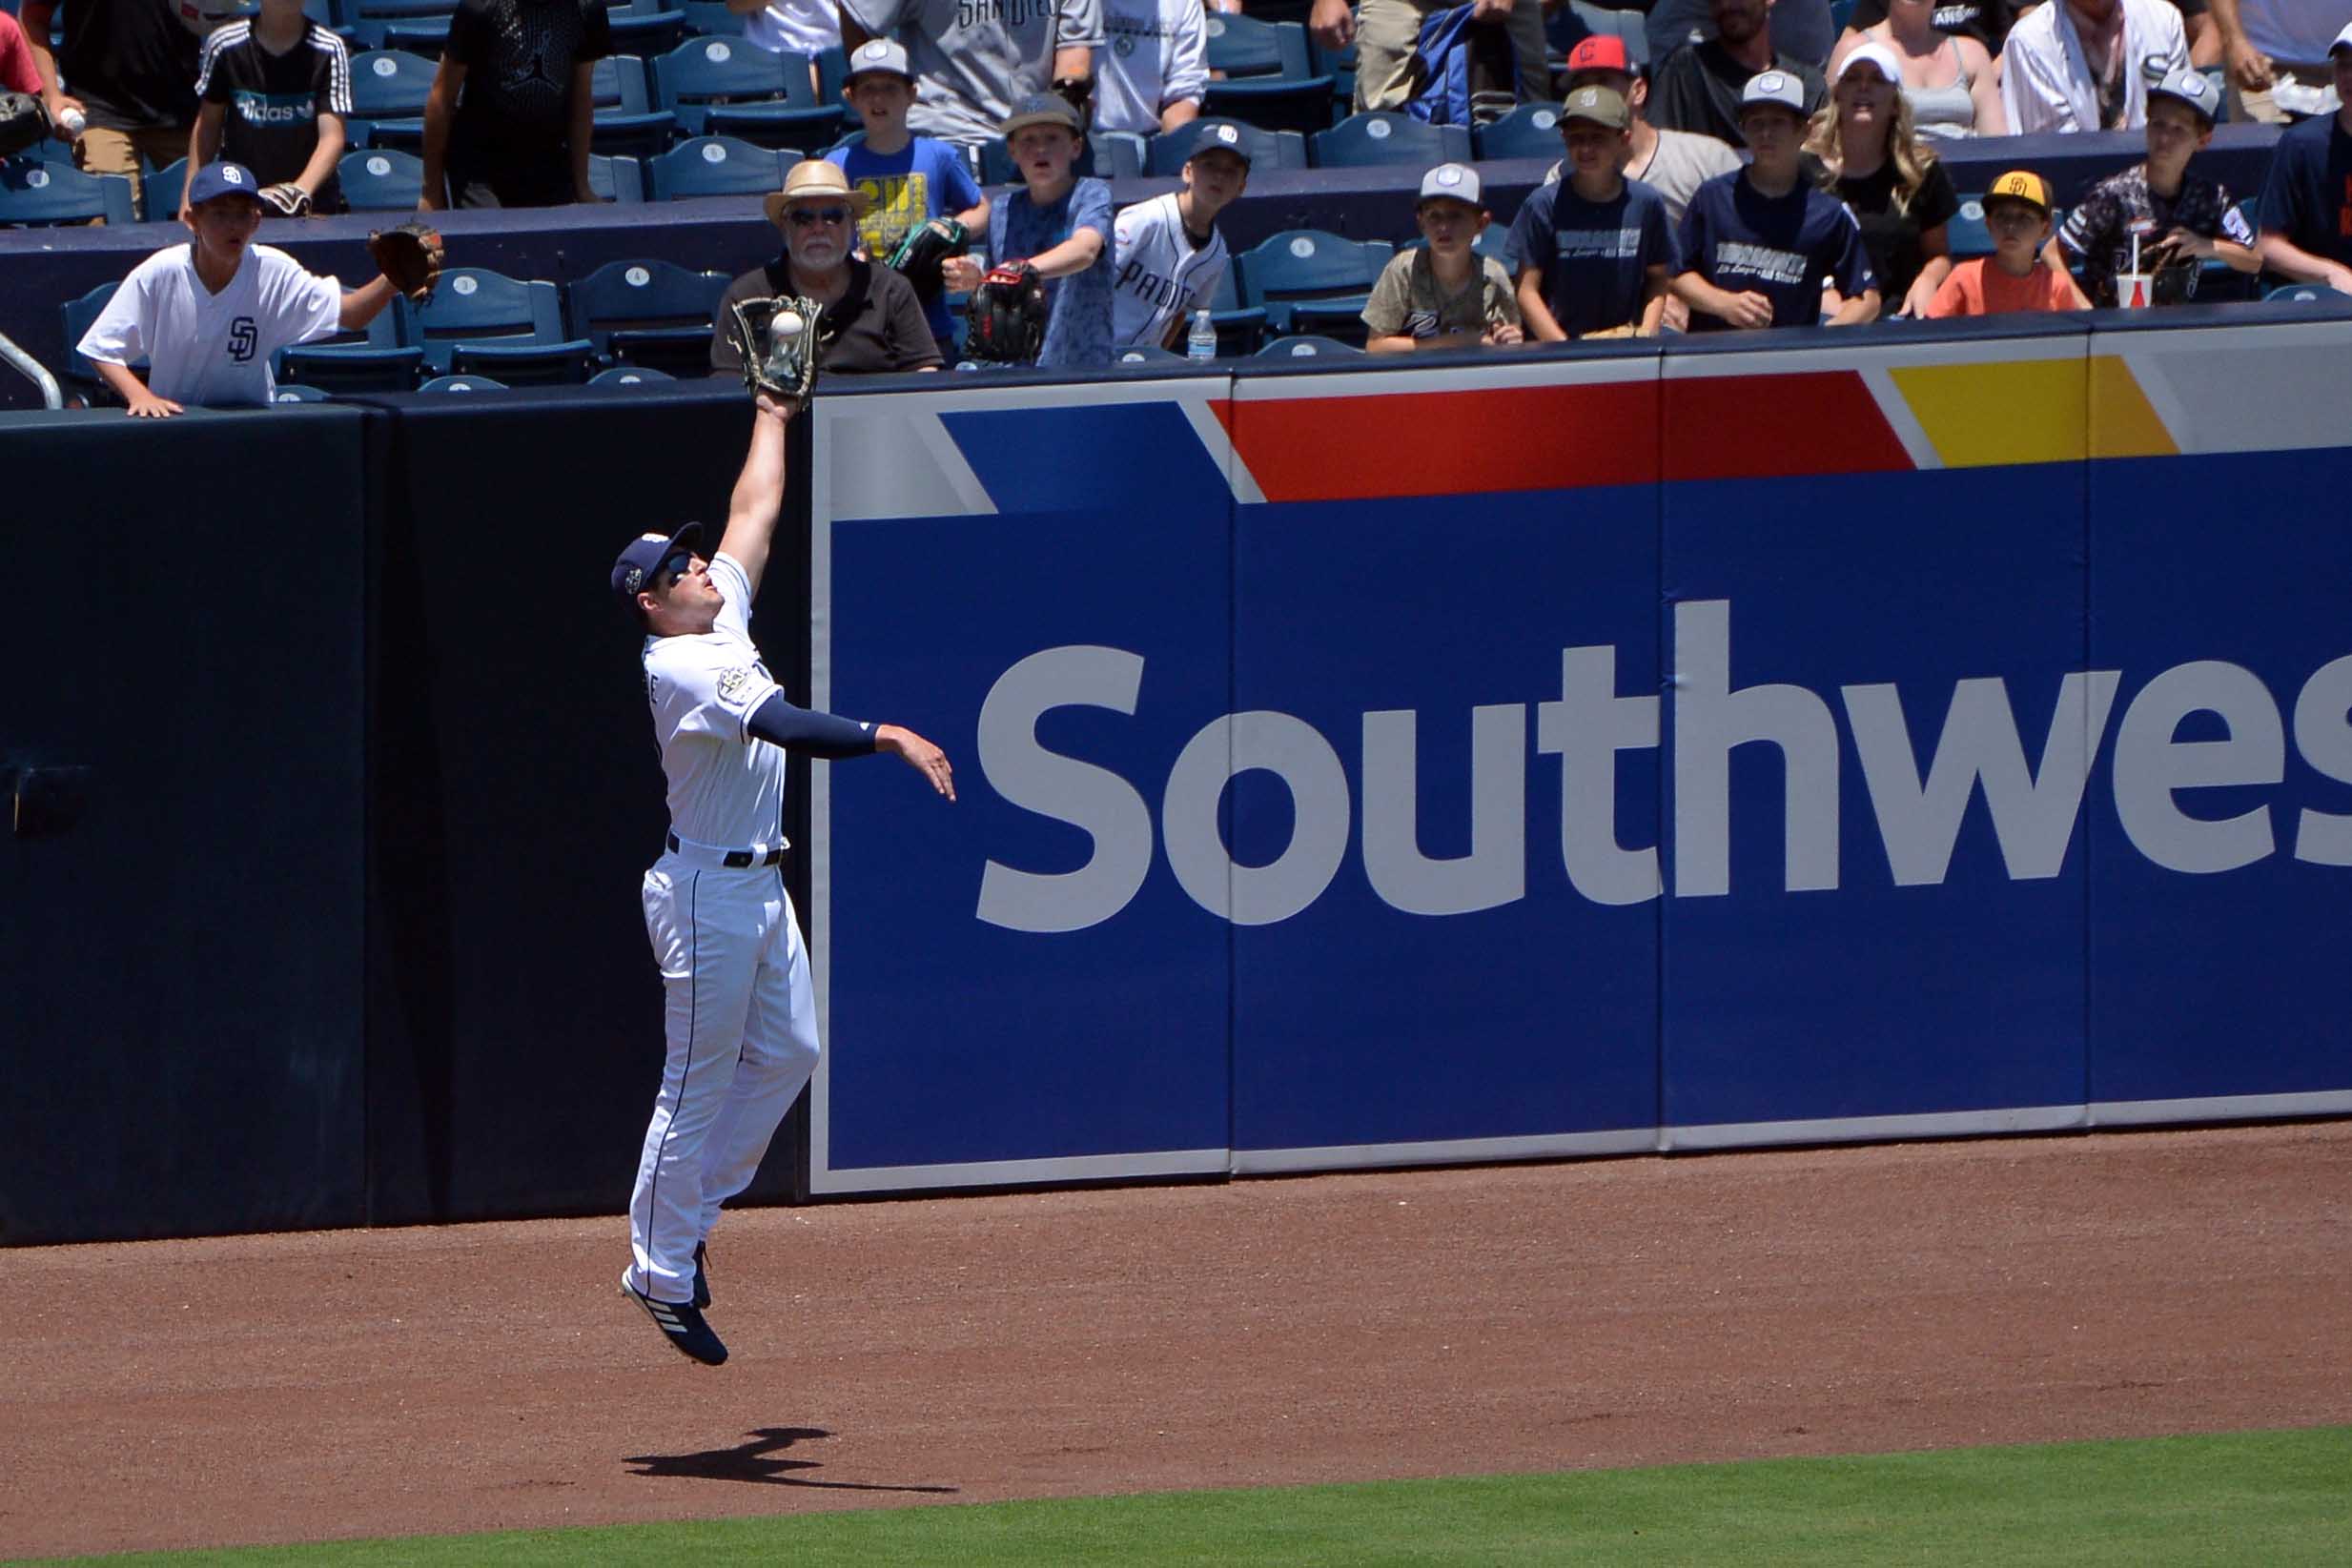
pixel 1747 309
pixel 919 754
pixel 1333 22
pixel 146 405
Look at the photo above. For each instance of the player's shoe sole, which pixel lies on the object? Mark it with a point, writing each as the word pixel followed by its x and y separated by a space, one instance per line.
pixel 702 1280
pixel 681 1323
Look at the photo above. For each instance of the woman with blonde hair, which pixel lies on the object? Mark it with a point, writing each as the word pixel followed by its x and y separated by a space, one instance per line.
pixel 1869 156
pixel 1949 78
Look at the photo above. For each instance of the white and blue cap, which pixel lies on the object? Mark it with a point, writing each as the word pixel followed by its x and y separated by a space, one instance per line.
pixel 1776 88
pixel 1451 181
pixel 221 179
pixel 642 560
pixel 2343 40
pixel 2194 88
pixel 883 56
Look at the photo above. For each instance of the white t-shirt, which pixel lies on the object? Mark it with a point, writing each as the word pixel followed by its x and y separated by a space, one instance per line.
pixel 2294 31
pixel 974 60
pixel 799 26
pixel 2046 80
pixel 1156 52
pixel 212 350
pixel 726 785
pixel 1157 275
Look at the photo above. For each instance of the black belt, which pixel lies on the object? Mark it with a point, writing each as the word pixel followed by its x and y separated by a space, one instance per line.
pixel 738 860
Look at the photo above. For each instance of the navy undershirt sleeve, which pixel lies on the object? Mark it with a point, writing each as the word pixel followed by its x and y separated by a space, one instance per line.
pixel 818 734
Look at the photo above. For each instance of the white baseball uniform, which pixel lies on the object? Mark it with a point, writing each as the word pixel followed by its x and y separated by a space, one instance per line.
pixel 740 1018
pixel 1157 274
pixel 212 350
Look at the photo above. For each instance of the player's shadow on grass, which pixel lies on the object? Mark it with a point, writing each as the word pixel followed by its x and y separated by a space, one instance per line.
pixel 753 1460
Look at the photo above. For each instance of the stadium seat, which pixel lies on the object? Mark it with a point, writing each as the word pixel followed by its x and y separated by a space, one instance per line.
pixel 1146 354
pixel 626 123
pixel 1966 233
pixel 700 72
pixel 37 195
pixel 1268 75
pixel 644 26
pixel 462 383
pixel 1110 155
pixel 618 180
pixel 787 128
pixel 388 85
pixel 1385 138
pixel 380 359
pixel 715 166
pixel 1308 348
pixel 1339 66
pixel 646 313
pixel 711 19
pixel 1569 25
pixel 81 376
pixel 159 193
pixel 1341 319
pixel 1531 130
pixel 1266 149
pixel 1273 103
pixel 294 392
pixel 483 322
pixel 1309 264
pixel 381 179
pixel 2301 294
pixel 1240 328
pixel 424 35
pixel 1242 45
pixel 630 376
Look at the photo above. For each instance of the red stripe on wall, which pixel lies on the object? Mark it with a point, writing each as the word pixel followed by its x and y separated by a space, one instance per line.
pixel 1447 443
pixel 1749 427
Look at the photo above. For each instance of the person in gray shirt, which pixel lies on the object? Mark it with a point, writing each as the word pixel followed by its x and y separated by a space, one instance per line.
pixel 1803 29
pixel 974 59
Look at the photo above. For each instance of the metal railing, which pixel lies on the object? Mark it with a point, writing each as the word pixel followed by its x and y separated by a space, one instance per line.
pixel 33 370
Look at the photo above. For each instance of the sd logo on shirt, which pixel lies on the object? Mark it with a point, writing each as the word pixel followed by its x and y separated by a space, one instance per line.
pixel 243 339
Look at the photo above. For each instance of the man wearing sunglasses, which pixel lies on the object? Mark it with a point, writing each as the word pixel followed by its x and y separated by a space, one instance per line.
pixel 740 1018
pixel 874 320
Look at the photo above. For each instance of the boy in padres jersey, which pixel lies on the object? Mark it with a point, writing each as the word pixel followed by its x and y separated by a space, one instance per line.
pixel 740 1018
pixel 1168 252
pixel 209 314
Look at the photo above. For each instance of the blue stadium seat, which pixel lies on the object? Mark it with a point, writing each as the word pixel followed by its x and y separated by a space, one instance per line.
pixel 1145 354
pixel 787 128
pixel 423 35
pixel 1309 264
pixel 644 26
pixel 1242 45
pixel 80 374
pixel 1309 348
pixel 483 322
pixel 1240 328
pixel 618 180
pixel 462 383
pixel 1267 76
pixel 711 19
pixel 381 179
pixel 294 392
pixel 1530 131
pixel 1966 234
pixel 387 84
pixel 646 313
pixel 1266 148
pixel 38 194
pixel 2301 294
pixel 159 193
pixel 1385 138
pixel 1302 104
pixel 715 166
pixel 630 376
pixel 380 359
pixel 688 79
pixel 625 122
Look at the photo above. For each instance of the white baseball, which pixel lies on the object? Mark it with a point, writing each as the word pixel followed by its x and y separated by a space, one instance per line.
pixel 788 322
pixel 74 122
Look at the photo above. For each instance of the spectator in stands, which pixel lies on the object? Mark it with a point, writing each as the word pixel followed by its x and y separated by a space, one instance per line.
pixel 2184 219
pixel 1897 189
pixel 1060 224
pixel 1986 21
pixel 1386 34
pixel 872 322
pixel 1442 295
pixel 209 316
pixel 507 120
pixel 1154 67
pixel 2266 42
pixel 790 27
pixel 1803 29
pixel 274 93
pixel 1673 163
pixel 1759 247
pixel 133 66
pixel 907 180
pixel 1950 79
pixel 1594 253
pixel 2306 208
pixel 17 71
pixel 1698 85
pixel 2086 65
pixel 2013 277
pixel 974 62
pixel 1168 256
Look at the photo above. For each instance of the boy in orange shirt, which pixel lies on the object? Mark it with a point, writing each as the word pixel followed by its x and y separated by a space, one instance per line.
pixel 2013 277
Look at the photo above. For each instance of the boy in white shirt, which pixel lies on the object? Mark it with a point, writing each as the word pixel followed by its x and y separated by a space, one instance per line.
pixel 1168 252
pixel 209 316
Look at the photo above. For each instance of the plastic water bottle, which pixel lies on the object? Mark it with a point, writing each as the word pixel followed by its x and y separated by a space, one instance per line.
pixel 1201 343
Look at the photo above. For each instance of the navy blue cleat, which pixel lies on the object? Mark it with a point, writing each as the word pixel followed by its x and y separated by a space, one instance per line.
pixel 681 1323
pixel 702 1280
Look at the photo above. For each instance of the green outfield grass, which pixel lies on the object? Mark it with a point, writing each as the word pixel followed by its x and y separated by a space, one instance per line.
pixel 2268 1498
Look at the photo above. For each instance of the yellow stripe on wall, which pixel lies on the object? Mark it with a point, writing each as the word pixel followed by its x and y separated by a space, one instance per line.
pixel 2122 422
pixel 2022 410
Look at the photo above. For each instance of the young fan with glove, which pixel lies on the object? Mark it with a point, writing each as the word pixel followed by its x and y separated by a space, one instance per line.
pixel 1047 299
pixel 209 316
pixel 275 91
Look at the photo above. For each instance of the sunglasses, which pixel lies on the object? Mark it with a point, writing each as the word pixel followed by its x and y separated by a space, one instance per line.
pixel 804 218
pixel 668 574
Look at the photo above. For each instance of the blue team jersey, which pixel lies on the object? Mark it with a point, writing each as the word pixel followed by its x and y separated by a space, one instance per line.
pixel 1594 256
pixel 922 180
pixel 2308 196
pixel 1077 323
pixel 1783 248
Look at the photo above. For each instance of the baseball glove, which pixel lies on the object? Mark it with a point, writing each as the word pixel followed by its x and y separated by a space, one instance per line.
pixel 24 122
pixel 1006 318
pixel 1078 91
pixel 410 255
pixel 288 199
pixel 919 255
pixel 778 340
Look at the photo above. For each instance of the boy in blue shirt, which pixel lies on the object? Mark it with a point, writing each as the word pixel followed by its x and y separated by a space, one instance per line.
pixel 2305 213
pixel 1757 245
pixel 1057 226
pixel 909 180
pixel 1595 251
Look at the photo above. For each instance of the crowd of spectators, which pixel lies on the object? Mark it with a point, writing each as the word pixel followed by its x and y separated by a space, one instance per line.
pixel 1766 171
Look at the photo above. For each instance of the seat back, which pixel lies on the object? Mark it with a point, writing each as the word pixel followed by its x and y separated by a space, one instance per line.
pixel 475 302
pixel 1265 149
pixel 389 84
pixel 1309 347
pixel 716 166
pixel 79 314
pixel 1241 46
pixel 381 179
pixel 159 193
pixel 705 70
pixel 626 295
pixel 1530 131
pixel 1309 264
pixel 37 195
pixel 1386 138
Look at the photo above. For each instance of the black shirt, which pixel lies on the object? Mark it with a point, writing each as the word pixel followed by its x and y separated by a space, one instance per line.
pixel 514 119
pixel 1697 87
pixel 1892 237
pixel 271 103
pixel 132 63
pixel 876 327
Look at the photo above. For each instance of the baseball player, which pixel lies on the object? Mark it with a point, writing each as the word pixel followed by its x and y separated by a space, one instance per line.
pixel 740 1020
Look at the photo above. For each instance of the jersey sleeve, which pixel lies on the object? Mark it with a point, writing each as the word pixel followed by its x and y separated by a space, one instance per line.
pixel 1383 313
pixel 705 687
pixel 2091 218
pixel 333 88
pixel 1089 208
pixel 210 87
pixel 955 191
pixel 1502 300
pixel 298 307
pixel 1690 241
pixel 1529 243
pixel 1938 202
pixel 1658 247
pixel 1188 57
pixel 2234 225
pixel 728 573
pixel 118 336
pixel 1078 25
pixel 876 16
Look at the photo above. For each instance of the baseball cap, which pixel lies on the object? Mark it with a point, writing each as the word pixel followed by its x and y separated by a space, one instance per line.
pixel 2194 88
pixel 1599 106
pixel 1776 88
pixel 1450 182
pixel 879 57
pixel 2022 185
pixel 1217 136
pixel 1599 52
pixel 2343 40
pixel 814 179
pixel 1042 109
pixel 643 557
pixel 1874 53
pixel 220 179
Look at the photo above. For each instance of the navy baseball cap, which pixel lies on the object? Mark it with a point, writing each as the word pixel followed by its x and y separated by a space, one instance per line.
pixel 220 179
pixel 1219 136
pixel 644 558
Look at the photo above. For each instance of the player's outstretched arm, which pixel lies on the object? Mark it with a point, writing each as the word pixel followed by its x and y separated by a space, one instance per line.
pixel 918 754
pixel 759 489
